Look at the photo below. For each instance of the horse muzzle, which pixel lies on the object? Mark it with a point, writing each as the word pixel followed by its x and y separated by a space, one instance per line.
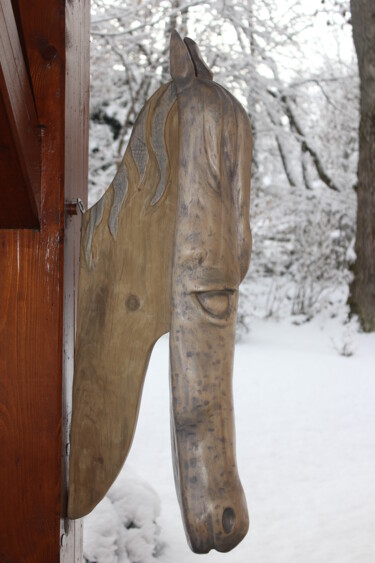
pixel 210 493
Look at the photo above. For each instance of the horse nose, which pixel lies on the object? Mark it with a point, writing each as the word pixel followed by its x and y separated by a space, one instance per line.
pixel 228 520
pixel 213 506
pixel 221 529
pixel 234 524
pixel 209 490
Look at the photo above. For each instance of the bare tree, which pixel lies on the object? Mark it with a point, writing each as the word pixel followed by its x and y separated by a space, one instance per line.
pixel 244 42
pixel 362 298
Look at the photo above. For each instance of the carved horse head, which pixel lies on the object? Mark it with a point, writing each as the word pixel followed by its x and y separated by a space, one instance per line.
pixel 165 250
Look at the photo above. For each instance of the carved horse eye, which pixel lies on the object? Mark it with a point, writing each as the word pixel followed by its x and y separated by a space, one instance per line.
pixel 216 303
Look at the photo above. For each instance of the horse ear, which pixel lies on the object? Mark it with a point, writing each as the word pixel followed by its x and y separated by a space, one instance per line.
pixel 181 65
pixel 201 69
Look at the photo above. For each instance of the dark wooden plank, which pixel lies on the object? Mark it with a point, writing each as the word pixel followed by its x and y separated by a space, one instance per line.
pixel 32 301
pixel 30 361
pixel 20 198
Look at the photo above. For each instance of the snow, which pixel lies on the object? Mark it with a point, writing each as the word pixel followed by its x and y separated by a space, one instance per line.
pixel 122 528
pixel 305 422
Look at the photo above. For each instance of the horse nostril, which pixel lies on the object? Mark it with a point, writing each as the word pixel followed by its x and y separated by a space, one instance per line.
pixel 229 518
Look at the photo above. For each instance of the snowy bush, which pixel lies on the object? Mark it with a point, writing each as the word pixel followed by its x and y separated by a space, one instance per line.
pixel 300 264
pixel 123 528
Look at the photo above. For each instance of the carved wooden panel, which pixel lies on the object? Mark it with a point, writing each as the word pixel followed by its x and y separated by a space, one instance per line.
pixel 165 249
pixel 124 302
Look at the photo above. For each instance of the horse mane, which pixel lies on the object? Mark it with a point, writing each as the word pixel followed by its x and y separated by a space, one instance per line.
pixel 145 167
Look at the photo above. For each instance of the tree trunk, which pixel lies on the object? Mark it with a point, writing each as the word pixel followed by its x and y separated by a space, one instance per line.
pixel 362 297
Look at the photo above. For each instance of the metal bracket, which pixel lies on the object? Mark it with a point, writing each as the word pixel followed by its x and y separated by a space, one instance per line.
pixel 72 207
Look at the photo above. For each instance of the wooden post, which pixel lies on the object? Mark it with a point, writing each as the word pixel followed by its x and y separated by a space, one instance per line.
pixel 37 292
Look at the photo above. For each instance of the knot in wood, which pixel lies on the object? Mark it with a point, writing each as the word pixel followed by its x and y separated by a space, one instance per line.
pixel 132 302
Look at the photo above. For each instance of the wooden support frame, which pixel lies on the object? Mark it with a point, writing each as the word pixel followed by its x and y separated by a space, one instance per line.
pixel 37 292
pixel 20 182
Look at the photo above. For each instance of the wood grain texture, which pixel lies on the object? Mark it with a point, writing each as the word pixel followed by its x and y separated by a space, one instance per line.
pixel 165 249
pixel 31 303
pixel 20 143
pixel 211 257
pixel 123 304
pixel 30 395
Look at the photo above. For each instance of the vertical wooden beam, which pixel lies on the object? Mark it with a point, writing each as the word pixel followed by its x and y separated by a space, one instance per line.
pixel 35 302
pixel 76 181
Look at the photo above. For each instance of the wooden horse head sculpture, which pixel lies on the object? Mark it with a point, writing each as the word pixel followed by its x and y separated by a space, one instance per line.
pixel 165 250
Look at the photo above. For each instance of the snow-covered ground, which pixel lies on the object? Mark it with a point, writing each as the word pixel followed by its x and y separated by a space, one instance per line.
pixel 305 419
